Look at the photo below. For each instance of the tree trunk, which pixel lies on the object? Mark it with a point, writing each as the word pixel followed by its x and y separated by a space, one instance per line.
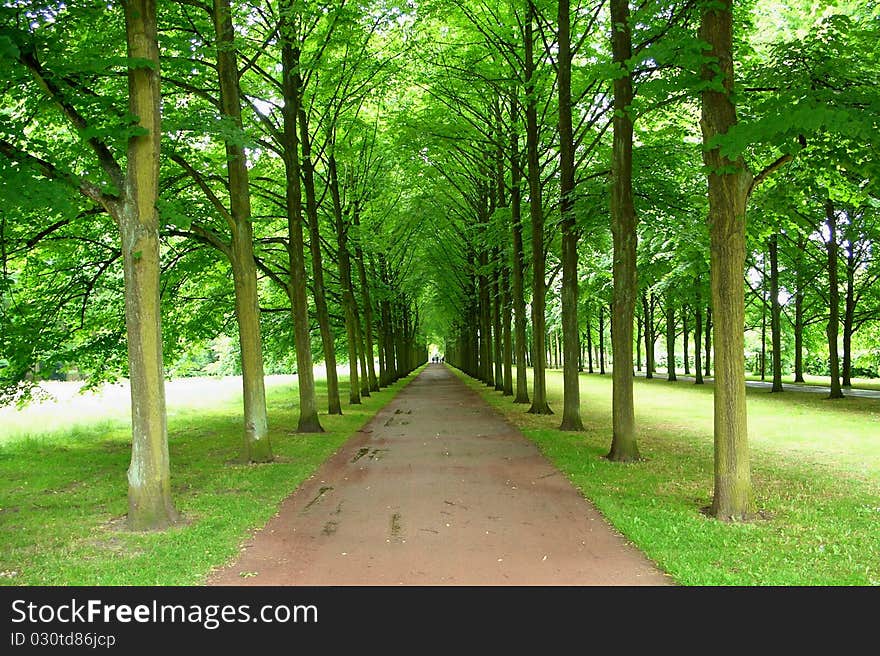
pixel 670 341
pixel 256 446
pixel 149 479
pixel 775 313
pixel 684 333
pixel 709 328
pixel 589 346
pixel 348 304
pixel 496 328
pixel 833 327
pixel 517 260
pixel 649 337
pixel 623 229
pixel 571 398
pixel 539 387
pixel 486 367
pixel 506 320
pixel 763 359
pixel 849 314
pixel 368 308
pixel 799 313
pixel 334 405
pixel 602 339
pixel 729 182
pixel 698 338
pixel 308 406
pixel 638 343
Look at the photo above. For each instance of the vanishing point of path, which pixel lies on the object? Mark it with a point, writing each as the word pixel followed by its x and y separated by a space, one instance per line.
pixel 438 489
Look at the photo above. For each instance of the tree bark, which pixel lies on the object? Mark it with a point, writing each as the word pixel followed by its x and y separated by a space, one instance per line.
pixel 506 320
pixel 571 397
pixel 624 446
pixel 670 341
pixel 539 386
pixel 799 311
pixel 729 182
pixel 698 338
pixel 708 340
pixel 685 336
pixel 496 328
pixel 368 307
pixel 308 406
pixel 348 305
pixel 638 343
pixel 517 267
pixel 149 478
pixel 833 327
pixel 334 405
pixel 256 446
pixel 849 314
pixel 775 313
pixel 649 336
pixel 589 345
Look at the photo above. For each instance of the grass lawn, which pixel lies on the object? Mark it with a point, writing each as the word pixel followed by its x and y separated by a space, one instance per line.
pixel 815 468
pixel 63 483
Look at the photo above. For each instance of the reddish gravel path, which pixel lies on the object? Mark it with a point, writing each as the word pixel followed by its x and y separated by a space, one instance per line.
pixel 438 489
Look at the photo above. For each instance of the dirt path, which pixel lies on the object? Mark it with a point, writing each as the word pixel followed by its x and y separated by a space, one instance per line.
pixel 438 489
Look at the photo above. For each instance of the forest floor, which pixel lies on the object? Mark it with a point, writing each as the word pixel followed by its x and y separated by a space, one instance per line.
pixel 438 489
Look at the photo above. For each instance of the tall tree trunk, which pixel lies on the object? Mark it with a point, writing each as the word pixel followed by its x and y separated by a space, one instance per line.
pixel 486 368
pixel 571 398
pixel 334 405
pixel 670 341
pixel 149 479
pixel 517 268
pixel 256 446
pixel 393 372
pixel 589 345
pixel 708 340
pixel 368 307
pixel 496 328
pixel 602 339
pixel 684 333
pixel 729 182
pixel 763 359
pixel 348 303
pixel 539 387
pixel 833 327
pixel 638 343
pixel 308 406
pixel 649 336
pixel 698 338
pixel 506 320
pixel 623 229
pixel 849 314
pixel 775 313
pixel 799 312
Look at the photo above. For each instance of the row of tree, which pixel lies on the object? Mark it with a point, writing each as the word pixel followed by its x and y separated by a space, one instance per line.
pixel 626 88
pixel 188 124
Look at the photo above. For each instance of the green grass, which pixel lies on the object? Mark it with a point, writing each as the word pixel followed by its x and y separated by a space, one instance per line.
pixel 820 381
pixel 63 490
pixel 815 468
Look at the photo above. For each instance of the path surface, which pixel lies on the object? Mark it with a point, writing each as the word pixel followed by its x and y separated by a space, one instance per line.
pixel 438 489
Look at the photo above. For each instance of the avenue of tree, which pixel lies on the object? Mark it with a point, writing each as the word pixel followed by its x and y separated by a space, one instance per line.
pixel 526 183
